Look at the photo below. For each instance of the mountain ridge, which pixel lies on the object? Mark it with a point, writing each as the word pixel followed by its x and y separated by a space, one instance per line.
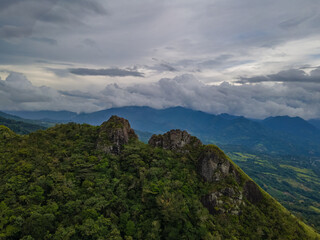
pixel 280 135
pixel 76 181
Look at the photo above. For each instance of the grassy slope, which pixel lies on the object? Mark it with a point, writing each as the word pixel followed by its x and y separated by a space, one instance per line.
pixel 293 182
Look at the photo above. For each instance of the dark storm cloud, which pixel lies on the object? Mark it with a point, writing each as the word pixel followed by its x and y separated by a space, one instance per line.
pixel 68 11
pixel 79 94
pixel 18 18
pixel 162 67
pixel 8 31
pixel 294 22
pixel 167 67
pixel 6 3
pixel 49 41
pixel 292 75
pixel 58 71
pixel 52 63
pixel 132 32
pixel 111 72
pixel 218 61
pixel 216 40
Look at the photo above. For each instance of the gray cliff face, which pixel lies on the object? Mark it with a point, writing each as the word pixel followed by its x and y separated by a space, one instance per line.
pixel 174 140
pixel 214 167
pixel 113 134
pixel 230 188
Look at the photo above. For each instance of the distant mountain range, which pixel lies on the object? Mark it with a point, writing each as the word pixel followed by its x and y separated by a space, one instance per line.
pixel 35 121
pixel 18 125
pixel 315 122
pixel 280 135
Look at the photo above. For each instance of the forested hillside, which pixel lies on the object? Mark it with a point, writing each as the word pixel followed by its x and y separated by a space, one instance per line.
pixel 275 135
pixel 77 181
pixel 20 127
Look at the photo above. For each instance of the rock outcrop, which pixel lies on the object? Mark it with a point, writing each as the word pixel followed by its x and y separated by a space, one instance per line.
pixel 175 140
pixel 230 187
pixel 113 134
pixel 226 200
pixel 214 166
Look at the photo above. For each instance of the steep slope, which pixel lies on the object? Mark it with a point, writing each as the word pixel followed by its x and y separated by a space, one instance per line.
pixel 77 181
pixel 20 127
pixel 293 181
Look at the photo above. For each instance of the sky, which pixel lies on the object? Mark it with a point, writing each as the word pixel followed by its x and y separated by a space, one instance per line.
pixel 250 58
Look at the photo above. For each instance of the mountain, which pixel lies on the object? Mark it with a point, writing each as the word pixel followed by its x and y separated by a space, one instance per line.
pixel 20 127
pixel 30 121
pixel 295 126
pixel 278 135
pixel 56 116
pixel 315 122
pixel 76 181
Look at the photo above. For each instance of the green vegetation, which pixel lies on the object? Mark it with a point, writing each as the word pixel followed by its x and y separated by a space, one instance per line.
pixel 20 127
pixel 293 181
pixel 56 184
pixel 42 123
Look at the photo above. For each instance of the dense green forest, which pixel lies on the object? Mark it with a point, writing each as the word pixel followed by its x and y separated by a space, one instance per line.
pixel 292 180
pixel 20 126
pixel 77 181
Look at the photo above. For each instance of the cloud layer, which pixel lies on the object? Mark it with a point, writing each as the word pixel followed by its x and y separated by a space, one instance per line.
pixel 291 75
pixel 247 57
pixel 18 93
pixel 111 72
pixel 250 100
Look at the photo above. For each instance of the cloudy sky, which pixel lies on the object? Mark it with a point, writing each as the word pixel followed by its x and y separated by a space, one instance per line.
pixel 251 58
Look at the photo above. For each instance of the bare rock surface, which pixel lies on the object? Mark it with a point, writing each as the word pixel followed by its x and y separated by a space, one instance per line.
pixel 230 188
pixel 213 165
pixel 114 133
pixel 174 140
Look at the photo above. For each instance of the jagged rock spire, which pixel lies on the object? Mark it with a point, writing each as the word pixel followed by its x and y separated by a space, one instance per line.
pixel 174 140
pixel 114 133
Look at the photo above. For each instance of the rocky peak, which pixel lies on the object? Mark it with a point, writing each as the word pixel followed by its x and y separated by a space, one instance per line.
pixel 230 186
pixel 114 133
pixel 174 140
pixel 213 165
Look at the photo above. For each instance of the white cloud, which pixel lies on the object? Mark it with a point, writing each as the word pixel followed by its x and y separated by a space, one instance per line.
pixel 18 93
pixel 251 100
pixel 216 41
